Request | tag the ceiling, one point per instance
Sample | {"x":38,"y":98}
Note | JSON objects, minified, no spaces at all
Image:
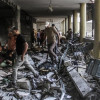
{"x":39,"y":8}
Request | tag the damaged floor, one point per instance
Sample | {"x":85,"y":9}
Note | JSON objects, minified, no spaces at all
{"x":66,"y":80}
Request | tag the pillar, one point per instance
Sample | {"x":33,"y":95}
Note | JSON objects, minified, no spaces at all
{"x":63,"y":27}
{"x":18,"y":16}
{"x":69,"y":21}
{"x":66,"y":24}
{"x":75,"y":22}
{"x":82,"y":21}
{"x":97,"y":30}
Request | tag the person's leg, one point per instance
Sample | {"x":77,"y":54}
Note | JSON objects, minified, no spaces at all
{"x":28,"y":65}
{"x":49,"y":53}
{"x":51,"y":49}
{"x":55,"y":49}
{"x":17,"y":64}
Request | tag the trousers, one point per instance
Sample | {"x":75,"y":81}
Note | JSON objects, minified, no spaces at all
{"x":18,"y":63}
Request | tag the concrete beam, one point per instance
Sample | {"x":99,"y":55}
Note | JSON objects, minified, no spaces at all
{"x":80,"y":84}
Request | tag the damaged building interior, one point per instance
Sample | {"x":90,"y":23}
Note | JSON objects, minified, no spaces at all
{"x":49,"y":49}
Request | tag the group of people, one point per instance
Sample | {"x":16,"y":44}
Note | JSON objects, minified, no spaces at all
{"x":50,"y":33}
{"x":16,"y":42}
{"x":37,"y":36}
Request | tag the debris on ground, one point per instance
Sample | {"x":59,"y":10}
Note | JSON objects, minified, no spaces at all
{"x":66,"y":80}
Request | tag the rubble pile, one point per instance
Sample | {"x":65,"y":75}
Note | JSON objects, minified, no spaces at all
{"x":66,"y":80}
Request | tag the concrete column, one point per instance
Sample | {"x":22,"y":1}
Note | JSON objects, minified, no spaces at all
{"x":97,"y":30}
{"x":66,"y":25}
{"x":82,"y":21}
{"x":69,"y":21}
{"x":18,"y":15}
{"x":63,"y":27}
{"x":75,"y":22}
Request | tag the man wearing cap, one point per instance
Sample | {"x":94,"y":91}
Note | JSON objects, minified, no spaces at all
{"x":22,"y":56}
{"x":50,"y":33}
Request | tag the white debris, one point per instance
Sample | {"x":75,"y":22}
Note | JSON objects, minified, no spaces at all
{"x":49,"y":75}
{"x":22,"y":94}
{"x":68,"y":96}
{"x":38,"y":95}
{"x":24,"y":83}
{"x":2,"y":73}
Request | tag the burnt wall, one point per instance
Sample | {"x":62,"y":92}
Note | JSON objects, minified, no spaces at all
{"x":7,"y":12}
{"x":4,"y":25}
{"x":27,"y":26}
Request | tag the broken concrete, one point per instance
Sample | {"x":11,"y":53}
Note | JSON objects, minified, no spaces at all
{"x":80,"y":84}
{"x":2,"y":73}
{"x":22,"y":94}
{"x":52,"y":83}
{"x":24,"y":83}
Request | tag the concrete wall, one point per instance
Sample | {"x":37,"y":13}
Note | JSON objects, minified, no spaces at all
{"x":41,"y":26}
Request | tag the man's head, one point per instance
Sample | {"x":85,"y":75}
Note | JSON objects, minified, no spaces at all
{"x":70,"y":29}
{"x":53,"y":25}
{"x":14,"y":30}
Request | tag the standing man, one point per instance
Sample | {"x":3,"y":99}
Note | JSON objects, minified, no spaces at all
{"x":38,"y":37}
{"x":70,"y":34}
{"x":51,"y":33}
{"x":22,"y":56}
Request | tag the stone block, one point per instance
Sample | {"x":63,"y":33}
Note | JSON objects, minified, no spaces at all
{"x":24,"y":83}
{"x":79,"y":82}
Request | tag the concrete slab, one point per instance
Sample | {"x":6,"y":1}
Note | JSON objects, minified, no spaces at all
{"x":24,"y":83}
{"x":79,"y":82}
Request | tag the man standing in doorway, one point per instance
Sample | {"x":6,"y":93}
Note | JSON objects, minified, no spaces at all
{"x":22,"y":56}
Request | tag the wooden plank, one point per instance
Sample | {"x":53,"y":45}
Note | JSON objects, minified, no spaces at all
{"x":79,"y":82}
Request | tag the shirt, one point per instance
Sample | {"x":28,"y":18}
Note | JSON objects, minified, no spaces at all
{"x":50,"y":33}
{"x":20,"y":41}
